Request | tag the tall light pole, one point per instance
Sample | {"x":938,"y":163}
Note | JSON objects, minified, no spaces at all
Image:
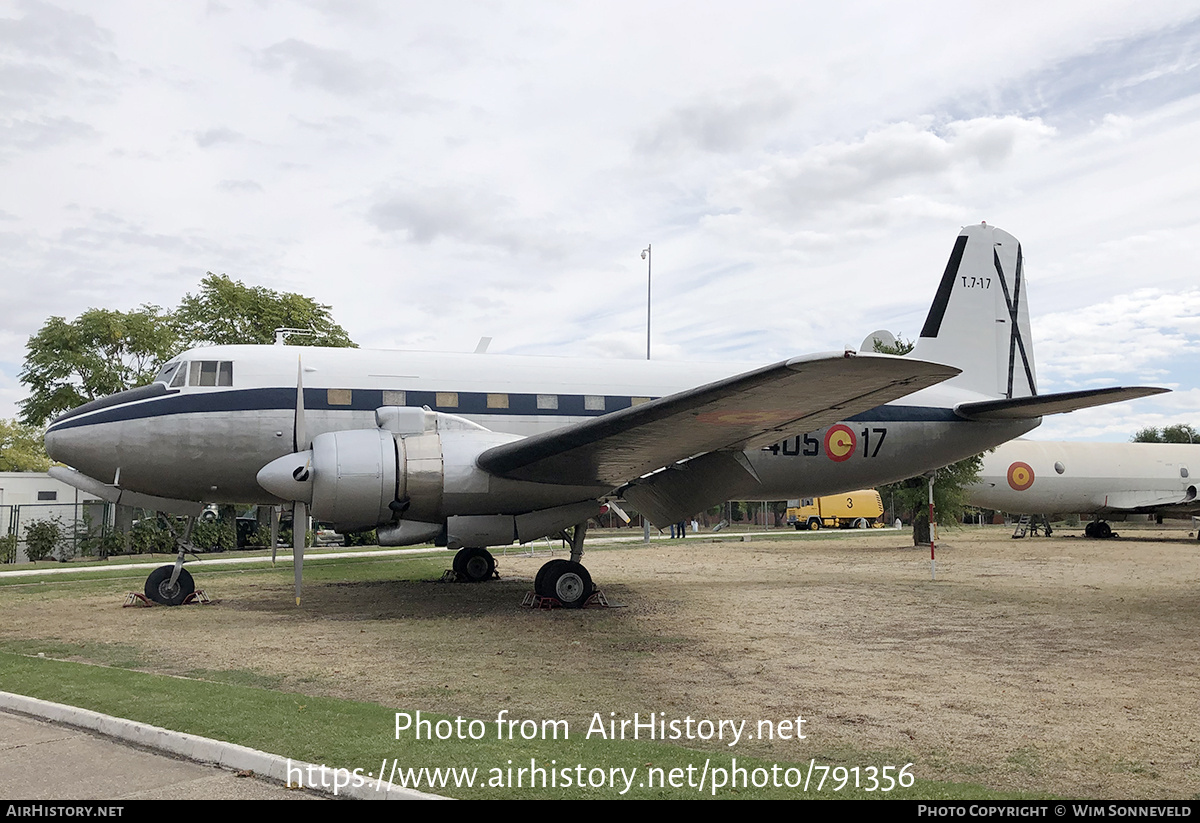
{"x":649,"y":263}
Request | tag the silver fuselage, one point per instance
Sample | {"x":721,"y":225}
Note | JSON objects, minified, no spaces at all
{"x":208,"y":442}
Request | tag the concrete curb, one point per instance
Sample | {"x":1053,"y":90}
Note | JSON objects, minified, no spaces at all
{"x":200,"y":749}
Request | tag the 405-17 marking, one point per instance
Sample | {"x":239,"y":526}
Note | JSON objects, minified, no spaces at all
{"x":807,"y":445}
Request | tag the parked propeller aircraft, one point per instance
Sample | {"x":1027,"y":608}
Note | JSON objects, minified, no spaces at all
{"x":479,"y":450}
{"x":1108,"y":480}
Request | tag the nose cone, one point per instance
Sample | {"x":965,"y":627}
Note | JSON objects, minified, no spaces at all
{"x":289,"y":477}
{"x":56,"y":446}
{"x":79,"y":447}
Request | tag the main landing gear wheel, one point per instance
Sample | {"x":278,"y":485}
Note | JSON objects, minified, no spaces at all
{"x":540,"y":580}
{"x":567,"y":582}
{"x":160,"y":590}
{"x":1098,"y":529}
{"x":474,"y":565}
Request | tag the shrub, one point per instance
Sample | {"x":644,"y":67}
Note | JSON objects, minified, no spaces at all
{"x":8,"y":548}
{"x":42,"y":537}
{"x":149,"y":537}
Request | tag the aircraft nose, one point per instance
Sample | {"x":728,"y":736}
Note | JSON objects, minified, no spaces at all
{"x":71,"y":446}
{"x":289,"y":477}
{"x":56,"y":446}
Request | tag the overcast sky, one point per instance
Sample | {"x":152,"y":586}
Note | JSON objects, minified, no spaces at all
{"x":438,"y":172}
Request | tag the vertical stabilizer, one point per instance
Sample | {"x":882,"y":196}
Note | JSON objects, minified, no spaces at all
{"x":979,"y":320}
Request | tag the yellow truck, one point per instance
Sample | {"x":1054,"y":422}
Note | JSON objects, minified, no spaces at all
{"x":852,"y":510}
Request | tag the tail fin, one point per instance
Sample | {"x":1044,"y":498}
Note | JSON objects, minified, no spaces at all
{"x":979,"y":320}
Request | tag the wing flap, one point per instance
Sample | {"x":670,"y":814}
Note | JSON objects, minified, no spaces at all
{"x":749,"y":410}
{"x":1040,"y":405}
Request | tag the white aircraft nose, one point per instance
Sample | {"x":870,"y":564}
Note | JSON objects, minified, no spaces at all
{"x":289,"y":477}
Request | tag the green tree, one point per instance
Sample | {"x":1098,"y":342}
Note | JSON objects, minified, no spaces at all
{"x":903,"y":346}
{"x":949,"y":486}
{"x":1179,"y":433}
{"x":21,"y":448}
{"x":68,"y":363}
{"x":229,"y":312}
{"x":949,"y":496}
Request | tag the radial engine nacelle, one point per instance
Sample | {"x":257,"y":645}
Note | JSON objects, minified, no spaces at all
{"x":415,"y":475}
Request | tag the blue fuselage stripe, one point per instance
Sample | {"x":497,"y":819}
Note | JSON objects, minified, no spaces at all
{"x":469,"y":403}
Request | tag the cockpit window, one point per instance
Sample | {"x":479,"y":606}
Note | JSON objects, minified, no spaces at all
{"x":202,"y":373}
{"x":167,"y":372}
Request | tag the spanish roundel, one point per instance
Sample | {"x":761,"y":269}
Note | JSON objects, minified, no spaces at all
{"x":1020,"y":476}
{"x":840,"y":443}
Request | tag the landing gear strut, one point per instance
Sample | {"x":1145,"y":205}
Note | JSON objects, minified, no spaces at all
{"x":567,"y":581}
{"x":171,"y":585}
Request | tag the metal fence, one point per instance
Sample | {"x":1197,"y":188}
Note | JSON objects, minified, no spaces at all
{"x":78,"y":524}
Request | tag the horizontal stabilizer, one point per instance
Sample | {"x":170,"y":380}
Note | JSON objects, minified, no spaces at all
{"x":746,"y":411}
{"x":1019,"y":408}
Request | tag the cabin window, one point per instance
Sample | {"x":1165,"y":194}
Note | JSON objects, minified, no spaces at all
{"x":497,"y":401}
{"x":447,"y":399}
{"x":210,"y":373}
{"x":339,"y":397}
{"x":1183,"y":472}
{"x":637,"y":401}
{"x":1060,"y":468}
{"x":47,"y":495}
{"x":395,"y":398}
{"x":593,"y":402}
{"x":547,"y":401}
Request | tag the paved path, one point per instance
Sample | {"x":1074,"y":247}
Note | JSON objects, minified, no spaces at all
{"x":46,"y":761}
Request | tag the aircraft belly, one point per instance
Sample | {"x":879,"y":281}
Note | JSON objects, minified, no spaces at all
{"x":513,"y":497}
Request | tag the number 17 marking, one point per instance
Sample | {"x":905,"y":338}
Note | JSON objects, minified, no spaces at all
{"x":866,"y":441}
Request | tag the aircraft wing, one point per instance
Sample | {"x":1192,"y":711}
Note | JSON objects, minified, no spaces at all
{"x":747,"y":411}
{"x":1057,"y":403}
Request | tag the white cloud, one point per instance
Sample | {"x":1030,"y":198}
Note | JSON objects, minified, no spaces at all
{"x":436,"y":175}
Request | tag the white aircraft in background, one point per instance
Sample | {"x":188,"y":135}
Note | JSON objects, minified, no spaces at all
{"x":478,"y":450}
{"x":1108,"y":480}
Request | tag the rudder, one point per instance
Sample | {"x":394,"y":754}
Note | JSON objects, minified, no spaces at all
{"x":979,"y":320}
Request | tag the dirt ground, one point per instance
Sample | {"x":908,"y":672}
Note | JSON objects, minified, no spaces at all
{"x":1059,"y":664}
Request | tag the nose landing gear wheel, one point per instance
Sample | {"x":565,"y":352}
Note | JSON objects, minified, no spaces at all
{"x":160,"y":590}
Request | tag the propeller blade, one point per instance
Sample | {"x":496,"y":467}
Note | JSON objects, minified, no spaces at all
{"x":299,"y":537}
{"x":299,"y":434}
{"x":274,"y":532}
